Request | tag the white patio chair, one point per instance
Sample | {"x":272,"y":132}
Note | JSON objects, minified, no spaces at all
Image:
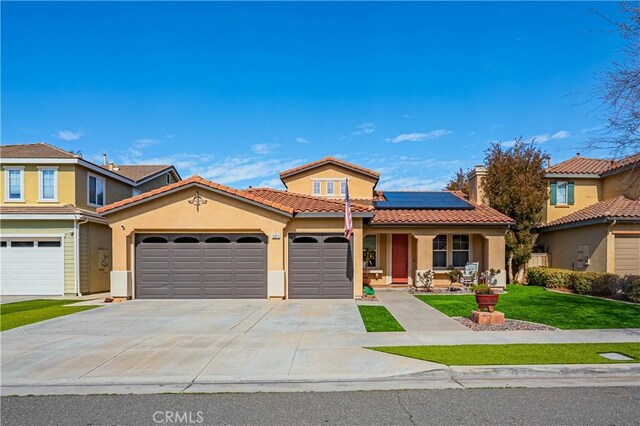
{"x":470,"y":274}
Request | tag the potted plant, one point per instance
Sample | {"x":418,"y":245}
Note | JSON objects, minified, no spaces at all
{"x":485,"y":297}
{"x":368,"y":260}
{"x":455,"y":275}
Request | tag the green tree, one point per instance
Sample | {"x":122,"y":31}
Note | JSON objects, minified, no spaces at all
{"x":459,"y":182}
{"x":515,"y":186}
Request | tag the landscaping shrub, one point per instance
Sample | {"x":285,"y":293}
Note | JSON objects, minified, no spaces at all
{"x":592,"y":283}
{"x":631,"y":286}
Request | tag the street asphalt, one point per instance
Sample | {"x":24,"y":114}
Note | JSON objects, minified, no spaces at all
{"x":556,"y":406}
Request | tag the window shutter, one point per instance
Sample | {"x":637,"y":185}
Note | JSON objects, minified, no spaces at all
{"x":570,"y":192}
{"x":554,"y":193}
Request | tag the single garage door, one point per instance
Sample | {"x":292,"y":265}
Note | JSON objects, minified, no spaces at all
{"x":320,"y":267}
{"x":627,"y":254}
{"x":31,"y":267}
{"x":201,"y":266}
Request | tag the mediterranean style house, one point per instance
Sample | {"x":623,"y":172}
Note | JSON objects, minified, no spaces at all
{"x":52,"y":240}
{"x":591,"y":221}
{"x":199,"y":239}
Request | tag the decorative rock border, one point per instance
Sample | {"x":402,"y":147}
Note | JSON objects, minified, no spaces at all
{"x":509,"y":325}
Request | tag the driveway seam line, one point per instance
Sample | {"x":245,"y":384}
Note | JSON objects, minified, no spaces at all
{"x":229,"y":331}
{"x":115,"y":356}
{"x":265,"y":314}
{"x":295,"y":352}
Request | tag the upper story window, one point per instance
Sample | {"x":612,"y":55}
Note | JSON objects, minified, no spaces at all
{"x":14,"y":183}
{"x":343,"y":187}
{"x":330,"y":187}
{"x":96,"y":188}
{"x":562,"y":193}
{"x":47,"y":184}
{"x":317,"y":187}
{"x":168,"y":178}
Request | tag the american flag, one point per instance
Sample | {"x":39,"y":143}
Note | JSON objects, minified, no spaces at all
{"x":348,"y":220}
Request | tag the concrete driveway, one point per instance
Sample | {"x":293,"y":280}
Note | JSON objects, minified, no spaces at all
{"x":200,"y":341}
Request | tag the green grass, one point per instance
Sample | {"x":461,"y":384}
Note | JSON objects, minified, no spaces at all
{"x":521,"y":354}
{"x":535,"y":304}
{"x":17,"y":314}
{"x":378,"y":318}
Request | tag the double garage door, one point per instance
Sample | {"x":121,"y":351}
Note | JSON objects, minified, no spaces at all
{"x":201,"y":266}
{"x":31,"y":267}
{"x":232,"y":266}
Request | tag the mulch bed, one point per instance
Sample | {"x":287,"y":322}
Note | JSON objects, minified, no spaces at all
{"x":509,"y":325}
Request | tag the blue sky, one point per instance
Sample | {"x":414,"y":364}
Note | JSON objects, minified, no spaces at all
{"x":238,"y":92}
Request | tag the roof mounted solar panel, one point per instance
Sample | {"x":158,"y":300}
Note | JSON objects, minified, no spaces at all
{"x":422,"y":200}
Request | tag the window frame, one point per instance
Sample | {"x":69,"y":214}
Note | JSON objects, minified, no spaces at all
{"x":7,"y":186}
{"x":566,"y":192}
{"x":333,"y":187}
{"x":468,"y":250}
{"x":104,"y":190}
{"x":41,"y":198}
{"x":446,"y":252}
{"x":377,"y":250}
{"x":313,"y":187}
{"x":342,"y":187}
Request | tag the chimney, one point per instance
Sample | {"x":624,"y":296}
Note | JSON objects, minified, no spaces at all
{"x":104,"y":159}
{"x":476,"y":194}
{"x":577,"y":154}
{"x":111,"y":165}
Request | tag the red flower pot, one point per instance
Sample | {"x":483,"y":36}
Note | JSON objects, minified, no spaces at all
{"x":488,"y":301}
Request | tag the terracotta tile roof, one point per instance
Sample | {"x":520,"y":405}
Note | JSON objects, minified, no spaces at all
{"x":302,"y":203}
{"x":137,"y":172}
{"x":584,"y":165}
{"x":34,"y":150}
{"x":64,"y":209}
{"x":329,"y":160}
{"x":615,"y":208}
{"x":480,"y":214}
{"x":197,"y":180}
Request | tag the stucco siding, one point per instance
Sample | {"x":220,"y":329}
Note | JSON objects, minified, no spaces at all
{"x":626,"y":183}
{"x":586,"y":193}
{"x":66,"y":185}
{"x":48,"y":227}
{"x":360,"y":186}
{"x":562,"y":246}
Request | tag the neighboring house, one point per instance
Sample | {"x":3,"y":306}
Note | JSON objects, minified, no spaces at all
{"x":591,"y":221}
{"x":200,"y":239}
{"x":53,"y":242}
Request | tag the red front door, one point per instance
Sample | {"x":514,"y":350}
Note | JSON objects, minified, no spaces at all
{"x":399,"y":258}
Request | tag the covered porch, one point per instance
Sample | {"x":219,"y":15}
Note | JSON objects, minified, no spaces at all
{"x":393,"y":256}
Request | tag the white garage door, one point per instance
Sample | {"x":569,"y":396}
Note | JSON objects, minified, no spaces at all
{"x":628,"y":254}
{"x":31,"y":267}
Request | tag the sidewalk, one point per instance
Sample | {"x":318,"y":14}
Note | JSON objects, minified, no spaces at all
{"x":415,"y":315}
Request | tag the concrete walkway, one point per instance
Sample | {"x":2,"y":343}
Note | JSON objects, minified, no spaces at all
{"x":87,"y":297}
{"x":415,"y":315}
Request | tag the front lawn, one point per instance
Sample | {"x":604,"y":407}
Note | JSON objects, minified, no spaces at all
{"x":520,"y":354}
{"x":535,"y":304}
{"x":17,"y":314}
{"x":378,"y":318}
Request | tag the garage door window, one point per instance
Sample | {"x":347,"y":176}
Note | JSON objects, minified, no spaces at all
{"x":21,"y":243}
{"x":155,"y":240}
{"x":308,"y":240}
{"x":336,"y":240}
{"x":249,"y":240}
{"x":217,"y":240}
{"x":186,"y":240}
{"x":48,"y":243}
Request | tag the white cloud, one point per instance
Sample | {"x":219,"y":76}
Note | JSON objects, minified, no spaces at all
{"x":274,"y":183}
{"x":417,"y":137}
{"x":407,"y":117}
{"x":410,"y":183}
{"x":540,"y":138}
{"x":562,"y":134}
{"x":302,"y":140}
{"x":69,"y":135}
{"x":365,"y":129}
{"x":236,"y":169}
{"x":593,"y":129}
{"x":139,"y":145}
{"x":263,"y":148}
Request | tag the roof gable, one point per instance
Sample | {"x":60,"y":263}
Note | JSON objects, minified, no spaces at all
{"x":35,"y":150}
{"x":329,"y":160}
{"x":139,"y":172}
{"x":593,"y":166}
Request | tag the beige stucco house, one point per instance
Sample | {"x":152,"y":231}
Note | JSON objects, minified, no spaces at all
{"x":591,"y":221}
{"x":199,"y":239}
{"x":52,"y":240}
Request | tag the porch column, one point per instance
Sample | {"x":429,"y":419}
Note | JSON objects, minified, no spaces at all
{"x":494,"y":255}
{"x":358,"y":245}
{"x":424,"y":255}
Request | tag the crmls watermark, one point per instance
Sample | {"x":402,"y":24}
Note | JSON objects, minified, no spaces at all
{"x":178,"y":417}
